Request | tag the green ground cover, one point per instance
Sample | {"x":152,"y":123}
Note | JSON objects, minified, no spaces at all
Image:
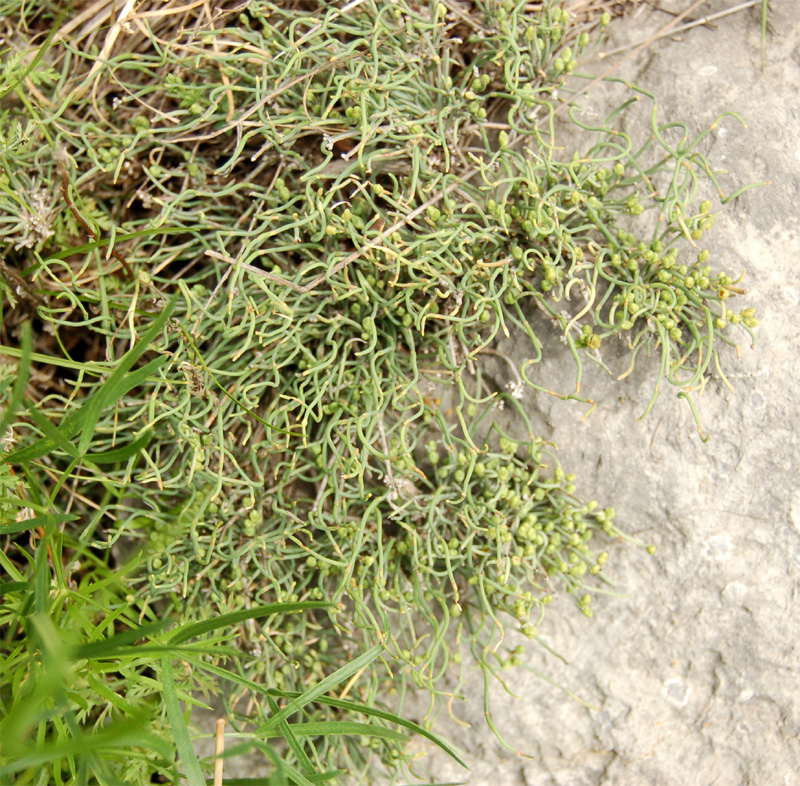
{"x":253,"y":259}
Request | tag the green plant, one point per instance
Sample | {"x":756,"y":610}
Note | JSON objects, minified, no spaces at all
{"x":99,"y":707}
{"x":334,"y":212}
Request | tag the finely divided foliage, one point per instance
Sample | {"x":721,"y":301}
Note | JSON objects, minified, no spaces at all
{"x":265,"y":249}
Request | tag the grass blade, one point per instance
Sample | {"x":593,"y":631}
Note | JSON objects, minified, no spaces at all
{"x":121,"y":454}
{"x":116,"y":385}
{"x":199,"y":628}
{"x":23,"y":374}
{"x":345,"y":704}
{"x":36,"y":60}
{"x":323,"y":686}
{"x":119,"y":736}
{"x":326,"y":728}
{"x":390,"y":717}
{"x":285,"y":730}
{"x":112,"y":644}
{"x":39,"y":521}
{"x":51,"y":432}
{"x":194,"y":774}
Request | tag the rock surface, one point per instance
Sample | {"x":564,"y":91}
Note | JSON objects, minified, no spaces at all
{"x":696,"y":673}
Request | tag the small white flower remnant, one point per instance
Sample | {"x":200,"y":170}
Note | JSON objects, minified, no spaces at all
{"x":401,"y":488}
{"x":7,"y":440}
{"x":145,"y":198}
{"x":517,"y":389}
{"x":12,"y":483}
{"x":434,"y":161}
{"x":25,"y":514}
{"x":36,"y":222}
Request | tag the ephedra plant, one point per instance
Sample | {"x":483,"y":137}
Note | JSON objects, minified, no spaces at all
{"x":264,"y":249}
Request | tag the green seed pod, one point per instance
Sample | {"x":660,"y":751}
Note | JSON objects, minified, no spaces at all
{"x":141,"y":122}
